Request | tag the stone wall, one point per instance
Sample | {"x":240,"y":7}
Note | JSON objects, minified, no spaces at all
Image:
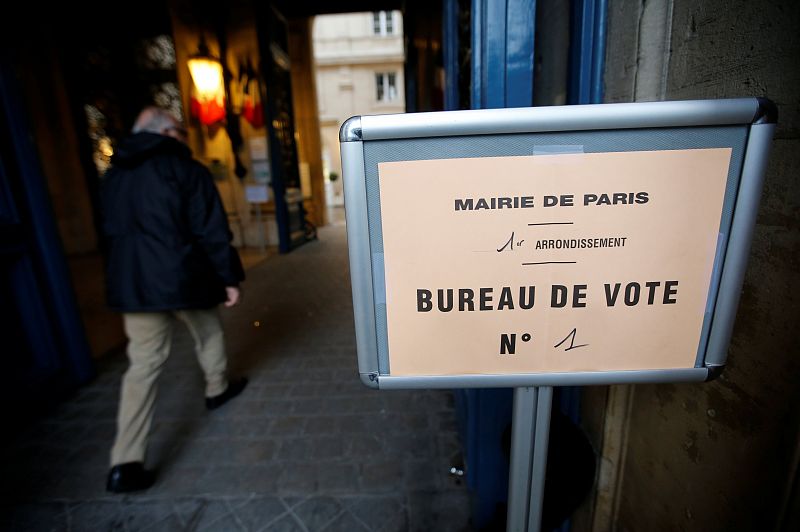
{"x":722,"y":455}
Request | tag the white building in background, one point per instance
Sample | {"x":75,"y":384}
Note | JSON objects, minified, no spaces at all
{"x":359,"y":69}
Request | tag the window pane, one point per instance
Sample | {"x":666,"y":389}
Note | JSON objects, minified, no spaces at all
{"x":379,"y":86}
{"x":392,"y":82}
{"x":389,"y":22}
{"x":376,"y":23}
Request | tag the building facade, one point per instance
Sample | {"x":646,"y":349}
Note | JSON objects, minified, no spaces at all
{"x":359,"y":71}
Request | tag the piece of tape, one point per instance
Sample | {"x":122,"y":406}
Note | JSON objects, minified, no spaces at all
{"x":552,"y":149}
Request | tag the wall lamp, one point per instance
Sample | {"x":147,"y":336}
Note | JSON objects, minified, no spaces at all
{"x":206,"y":71}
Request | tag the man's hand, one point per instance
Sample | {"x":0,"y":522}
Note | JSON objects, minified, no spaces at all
{"x":234,"y":296}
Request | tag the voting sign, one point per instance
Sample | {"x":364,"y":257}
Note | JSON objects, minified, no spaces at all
{"x":492,"y":251}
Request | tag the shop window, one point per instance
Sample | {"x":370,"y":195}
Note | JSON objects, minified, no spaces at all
{"x":115,"y":91}
{"x":156,"y":53}
{"x":102,"y":149}
{"x":168,"y":96}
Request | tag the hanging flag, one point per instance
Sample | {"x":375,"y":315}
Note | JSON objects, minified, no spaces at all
{"x":208,"y":111}
{"x":252,"y":108}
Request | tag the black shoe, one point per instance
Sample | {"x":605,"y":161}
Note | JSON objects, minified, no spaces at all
{"x":129,"y":477}
{"x":234,"y":388}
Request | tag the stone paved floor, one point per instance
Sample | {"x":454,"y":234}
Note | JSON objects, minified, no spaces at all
{"x":306,"y":447}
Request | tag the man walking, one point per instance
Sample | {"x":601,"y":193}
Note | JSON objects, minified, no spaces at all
{"x":169,"y":257}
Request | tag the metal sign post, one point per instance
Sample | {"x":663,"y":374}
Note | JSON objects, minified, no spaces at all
{"x":530,"y":430}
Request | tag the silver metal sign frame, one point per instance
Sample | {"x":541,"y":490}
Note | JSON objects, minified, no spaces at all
{"x":755,"y":116}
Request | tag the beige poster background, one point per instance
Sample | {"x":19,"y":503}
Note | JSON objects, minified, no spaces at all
{"x":430,"y":245}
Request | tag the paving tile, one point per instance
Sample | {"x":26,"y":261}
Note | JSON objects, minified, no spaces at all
{"x":213,"y":511}
{"x":162,"y":454}
{"x":338,"y":478}
{"x":181,"y":402}
{"x":278,"y":406}
{"x":275,"y":390}
{"x":291,"y":501}
{"x":446,"y":422}
{"x":188,"y":510}
{"x":326,"y":448}
{"x":414,"y":422}
{"x":230,"y":479}
{"x":170,"y":524}
{"x":424,"y":475}
{"x":53,"y":452}
{"x":252,"y":452}
{"x":295,"y":449}
{"x":395,"y":523}
{"x":248,"y":426}
{"x":317,"y":425}
{"x":96,"y":515}
{"x":74,"y":411}
{"x":309,"y":389}
{"x":179,"y":481}
{"x":448,"y":444}
{"x":222,"y":428}
{"x":287,"y":523}
{"x":226,"y":523}
{"x":298,"y":478}
{"x":409,"y":445}
{"x":34,"y":517}
{"x":308,"y":405}
{"x":377,"y":512}
{"x":317,"y":512}
{"x":76,"y":484}
{"x":437,"y":510}
{"x":256,"y":407}
{"x":90,"y":395}
{"x":103,"y":431}
{"x":199,"y":451}
{"x":94,"y":455}
{"x":345,"y":522}
{"x":382,"y":476}
{"x":137,"y":515}
{"x":261,"y":427}
{"x":355,"y":423}
{"x":344,"y":405}
{"x":256,"y":513}
{"x":258,"y":479}
{"x":313,"y":375}
{"x":102,"y":411}
{"x":287,"y":426}
{"x":174,"y":428}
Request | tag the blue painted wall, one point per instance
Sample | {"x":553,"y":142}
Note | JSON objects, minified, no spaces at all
{"x":45,"y":352}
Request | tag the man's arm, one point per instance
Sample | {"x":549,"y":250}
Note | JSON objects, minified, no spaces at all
{"x":209,"y":226}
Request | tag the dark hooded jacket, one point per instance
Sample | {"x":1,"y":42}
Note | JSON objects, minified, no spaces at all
{"x":167,"y":232}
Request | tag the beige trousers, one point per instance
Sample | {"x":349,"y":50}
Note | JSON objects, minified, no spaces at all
{"x":149,"y":338}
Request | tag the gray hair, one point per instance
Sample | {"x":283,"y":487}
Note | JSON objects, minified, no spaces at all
{"x":154,"y":120}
